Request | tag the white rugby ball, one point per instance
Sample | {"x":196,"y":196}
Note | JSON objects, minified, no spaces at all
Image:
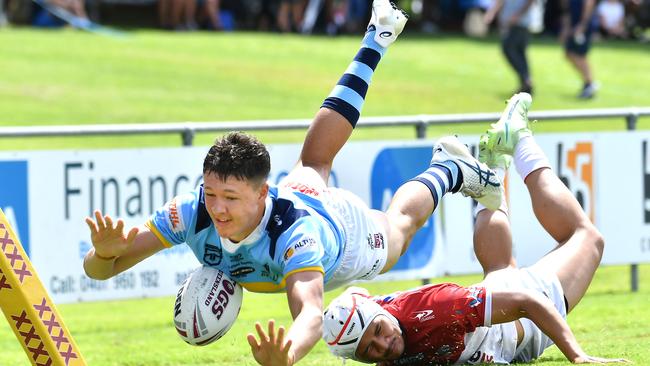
{"x":206,"y":306}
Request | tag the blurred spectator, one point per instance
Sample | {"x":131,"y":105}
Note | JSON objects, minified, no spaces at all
{"x":431,"y":16}
{"x":514,"y":18}
{"x":611,"y":18}
{"x":210,"y":14}
{"x":290,"y":15}
{"x":578,"y":24}
{"x":637,"y":18}
{"x":177,"y":14}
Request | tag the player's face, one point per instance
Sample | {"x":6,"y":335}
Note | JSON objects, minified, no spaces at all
{"x":235,"y":206}
{"x":382,"y":341}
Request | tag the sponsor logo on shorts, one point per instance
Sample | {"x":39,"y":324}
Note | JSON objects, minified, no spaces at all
{"x":424,"y":315}
{"x":371,"y":274}
{"x":212,"y":255}
{"x":375,"y":241}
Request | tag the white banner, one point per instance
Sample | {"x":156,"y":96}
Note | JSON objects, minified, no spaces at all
{"x":47,"y":195}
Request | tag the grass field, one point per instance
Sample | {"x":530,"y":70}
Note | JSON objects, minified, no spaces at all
{"x":68,"y":77}
{"x":610,"y":321}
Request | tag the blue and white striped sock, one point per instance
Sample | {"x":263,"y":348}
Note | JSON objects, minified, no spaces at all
{"x":348,"y":95}
{"x":440,"y":178}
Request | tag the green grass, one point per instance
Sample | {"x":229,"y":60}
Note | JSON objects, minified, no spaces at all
{"x":69,"y":77}
{"x":610,"y":321}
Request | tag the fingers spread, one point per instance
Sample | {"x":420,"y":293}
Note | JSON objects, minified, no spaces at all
{"x":101,"y":225}
{"x":261,"y":333}
{"x":91,"y":225}
{"x":109,"y":221}
{"x":252,"y":341}
{"x":131,"y":235}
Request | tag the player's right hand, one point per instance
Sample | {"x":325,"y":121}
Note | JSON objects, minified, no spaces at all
{"x":109,"y":239}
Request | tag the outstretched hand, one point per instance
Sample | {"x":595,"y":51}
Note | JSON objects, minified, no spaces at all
{"x":108,"y":238}
{"x":599,"y":360}
{"x":271,"y":349}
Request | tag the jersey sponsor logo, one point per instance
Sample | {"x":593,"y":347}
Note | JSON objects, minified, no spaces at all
{"x":303,"y":188}
{"x":175,"y":218}
{"x":241,"y":271}
{"x":288,"y":254}
{"x":266,"y":272}
{"x":212,"y":255}
{"x":475,"y":295}
{"x":424,"y":315}
{"x":300,"y":246}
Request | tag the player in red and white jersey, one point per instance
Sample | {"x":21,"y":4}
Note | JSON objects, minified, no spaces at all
{"x":514,"y":314}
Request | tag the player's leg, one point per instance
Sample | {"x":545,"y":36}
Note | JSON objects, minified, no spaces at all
{"x":452,"y":169}
{"x":577,"y":256}
{"x":340,"y":112}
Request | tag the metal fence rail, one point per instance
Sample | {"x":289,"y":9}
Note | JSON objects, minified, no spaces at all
{"x":188,"y":130}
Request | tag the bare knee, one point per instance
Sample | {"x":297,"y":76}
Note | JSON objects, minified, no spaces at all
{"x":594,"y":240}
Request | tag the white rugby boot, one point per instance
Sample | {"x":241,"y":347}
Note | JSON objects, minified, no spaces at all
{"x":388,"y":21}
{"x":478,"y":181}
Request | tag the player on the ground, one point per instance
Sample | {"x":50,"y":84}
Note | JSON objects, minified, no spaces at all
{"x":300,"y":236}
{"x":514,"y":314}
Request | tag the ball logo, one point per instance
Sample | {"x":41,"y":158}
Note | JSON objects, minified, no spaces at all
{"x":576,"y":170}
{"x":222,"y":299}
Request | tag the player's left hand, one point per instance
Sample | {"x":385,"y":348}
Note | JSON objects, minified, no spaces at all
{"x":599,"y":360}
{"x":271,"y":349}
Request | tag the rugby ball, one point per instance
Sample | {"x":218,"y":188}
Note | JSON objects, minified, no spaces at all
{"x":206,"y":306}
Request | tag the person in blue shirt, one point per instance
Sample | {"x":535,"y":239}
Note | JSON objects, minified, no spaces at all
{"x":301,"y":236}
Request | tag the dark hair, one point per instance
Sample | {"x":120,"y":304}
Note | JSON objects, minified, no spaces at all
{"x":238,"y":155}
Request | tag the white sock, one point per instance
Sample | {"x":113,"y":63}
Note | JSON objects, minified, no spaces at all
{"x":529,"y":157}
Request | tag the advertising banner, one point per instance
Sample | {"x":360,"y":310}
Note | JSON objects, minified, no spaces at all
{"x":47,"y":194}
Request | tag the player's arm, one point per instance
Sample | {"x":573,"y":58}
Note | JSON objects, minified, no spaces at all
{"x":305,"y":295}
{"x":509,"y":306}
{"x":115,"y":250}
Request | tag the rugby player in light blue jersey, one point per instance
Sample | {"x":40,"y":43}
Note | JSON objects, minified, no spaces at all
{"x":300,"y":237}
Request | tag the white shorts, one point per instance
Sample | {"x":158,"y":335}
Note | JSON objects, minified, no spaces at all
{"x":533,"y":278}
{"x":366,"y":247}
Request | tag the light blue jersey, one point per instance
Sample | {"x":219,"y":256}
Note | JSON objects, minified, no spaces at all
{"x":297,"y":233}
